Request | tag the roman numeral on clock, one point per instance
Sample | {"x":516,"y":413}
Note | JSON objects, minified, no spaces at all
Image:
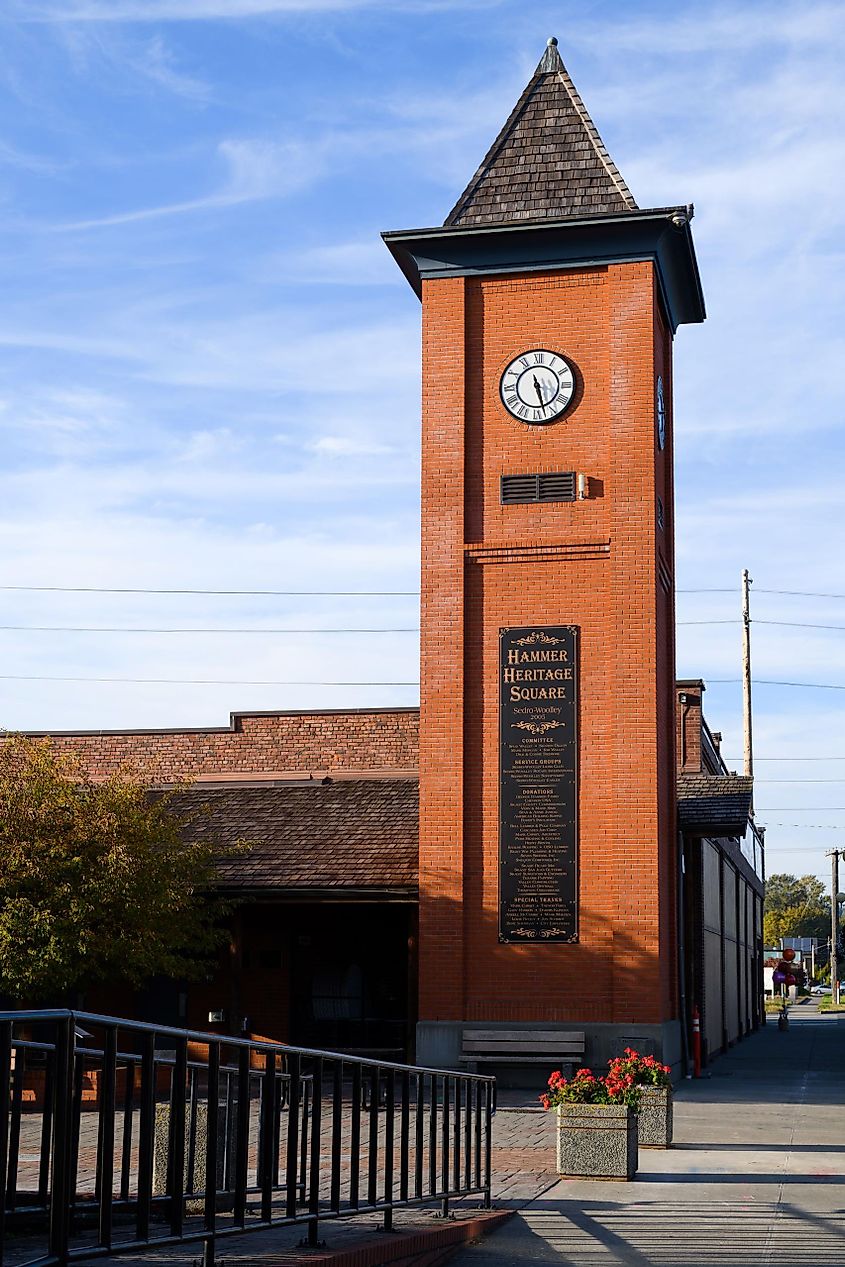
{"x":537,"y":386}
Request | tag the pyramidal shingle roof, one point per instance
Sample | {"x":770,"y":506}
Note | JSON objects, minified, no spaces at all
{"x":547,"y":163}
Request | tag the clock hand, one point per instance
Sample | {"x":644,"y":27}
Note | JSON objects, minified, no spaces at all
{"x":539,"y":392}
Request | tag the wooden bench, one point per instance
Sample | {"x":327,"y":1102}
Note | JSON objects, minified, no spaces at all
{"x":551,"y":1047}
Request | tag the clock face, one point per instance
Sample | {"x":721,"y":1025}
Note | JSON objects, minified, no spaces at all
{"x":537,"y":386}
{"x":661,"y":414}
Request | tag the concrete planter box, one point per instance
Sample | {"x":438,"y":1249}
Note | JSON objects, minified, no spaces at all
{"x":596,"y":1141}
{"x":654,"y":1124}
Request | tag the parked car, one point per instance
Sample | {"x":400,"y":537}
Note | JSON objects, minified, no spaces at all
{"x":820,"y":989}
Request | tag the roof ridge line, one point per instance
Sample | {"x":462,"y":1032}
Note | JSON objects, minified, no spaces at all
{"x":498,"y":144}
{"x":594,"y":135}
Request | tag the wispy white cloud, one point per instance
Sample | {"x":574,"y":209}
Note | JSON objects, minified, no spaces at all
{"x":363,"y":263}
{"x":40,"y":165}
{"x":256,"y":170}
{"x":156,"y":63}
{"x":348,"y":446}
{"x":255,"y":352}
{"x":108,"y":545}
{"x":718,"y":29}
{"x":203,"y":10}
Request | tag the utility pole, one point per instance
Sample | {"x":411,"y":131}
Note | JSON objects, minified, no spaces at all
{"x":746,"y":679}
{"x":833,"y":854}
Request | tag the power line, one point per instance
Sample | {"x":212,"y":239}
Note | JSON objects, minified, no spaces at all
{"x":236,"y":593}
{"x":38,"y":677}
{"x":133,"y":629}
{"x":793,"y":625}
{"x":792,"y":848}
{"x":797,"y":624}
{"x":414,"y":629}
{"x":98,"y":589}
{"x":729,"y":759}
{"x":764,"y":681}
{"x":175,"y":681}
{"x":798,"y":593}
{"x":757,"y":590}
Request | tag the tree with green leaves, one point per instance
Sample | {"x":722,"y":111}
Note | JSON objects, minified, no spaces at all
{"x":97,"y":882}
{"x":795,"y":907}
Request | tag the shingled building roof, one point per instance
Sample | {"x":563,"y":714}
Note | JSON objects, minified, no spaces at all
{"x":714,"y":805}
{"x":547,"y":163}
{"x":345,"y":835}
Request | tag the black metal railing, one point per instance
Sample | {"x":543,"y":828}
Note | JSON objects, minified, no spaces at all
{"x":117,"y":1135}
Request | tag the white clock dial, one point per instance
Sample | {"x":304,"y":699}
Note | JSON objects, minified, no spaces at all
{"x":537,"y":386}
{"x":661,"y":414}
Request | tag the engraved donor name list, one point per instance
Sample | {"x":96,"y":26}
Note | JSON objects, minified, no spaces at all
{"x":538,"y":785}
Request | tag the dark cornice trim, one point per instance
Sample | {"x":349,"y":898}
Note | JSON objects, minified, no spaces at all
{"x":327,"y":893}
{"x":662,"y":236}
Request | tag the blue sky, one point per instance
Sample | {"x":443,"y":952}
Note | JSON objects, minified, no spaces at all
{"x":209,"y":366}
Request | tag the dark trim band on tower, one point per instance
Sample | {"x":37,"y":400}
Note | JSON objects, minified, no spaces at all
{"x":662,"y":236}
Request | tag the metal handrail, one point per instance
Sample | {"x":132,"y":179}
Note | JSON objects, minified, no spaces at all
{"x":250,"y":1135}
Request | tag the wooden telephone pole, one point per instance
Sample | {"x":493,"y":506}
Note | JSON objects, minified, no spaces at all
{"x":833,"y":854}
{"x":746,"y":679}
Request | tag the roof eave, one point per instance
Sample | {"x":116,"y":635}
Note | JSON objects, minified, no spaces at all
{"x":662,"y":235}
{"x":319,"y":893}
{"x":711,"y":829}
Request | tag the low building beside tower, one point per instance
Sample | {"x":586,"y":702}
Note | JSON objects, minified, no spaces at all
{"x":324,"y":941}
{"x":723,"y":863}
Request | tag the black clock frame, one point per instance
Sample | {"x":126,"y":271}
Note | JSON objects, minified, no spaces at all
{"x":539,"y":422}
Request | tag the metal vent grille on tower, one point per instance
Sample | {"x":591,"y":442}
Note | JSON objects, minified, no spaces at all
{"x":552,"y":486}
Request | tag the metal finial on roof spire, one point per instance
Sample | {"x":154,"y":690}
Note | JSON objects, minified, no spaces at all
{"x":550,"y":61}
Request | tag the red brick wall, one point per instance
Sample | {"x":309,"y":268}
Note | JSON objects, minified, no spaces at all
{"x":602,"y":576}
{"x":441,"y":932}
{"x":688,"y":724}
{"x":256,"y":743}
{"x":666,"y":759}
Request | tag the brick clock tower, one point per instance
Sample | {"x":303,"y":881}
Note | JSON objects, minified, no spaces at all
{"x":548,"y":834}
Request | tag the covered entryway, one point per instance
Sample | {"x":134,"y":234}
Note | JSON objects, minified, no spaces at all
{"x":322,"y":949}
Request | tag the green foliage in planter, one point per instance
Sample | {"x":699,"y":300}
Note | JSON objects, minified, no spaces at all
{"x":586,"y":1088}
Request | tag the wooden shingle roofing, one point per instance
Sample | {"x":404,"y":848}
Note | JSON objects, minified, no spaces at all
{"x":714,"y":805}
{"x":547,"y":163}
{"x":343,"y":835}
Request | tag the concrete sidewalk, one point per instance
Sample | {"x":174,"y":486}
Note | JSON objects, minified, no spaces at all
{"x":757,"y":1175}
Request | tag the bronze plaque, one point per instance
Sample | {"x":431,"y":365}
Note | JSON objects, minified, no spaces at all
{"x":538,"y":784}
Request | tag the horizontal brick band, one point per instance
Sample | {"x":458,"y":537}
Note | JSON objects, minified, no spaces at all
{"x":536,"y":553}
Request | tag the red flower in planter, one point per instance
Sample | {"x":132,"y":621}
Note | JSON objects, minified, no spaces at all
{"x":645,"y":1071}
{"x":586,"y":1088}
